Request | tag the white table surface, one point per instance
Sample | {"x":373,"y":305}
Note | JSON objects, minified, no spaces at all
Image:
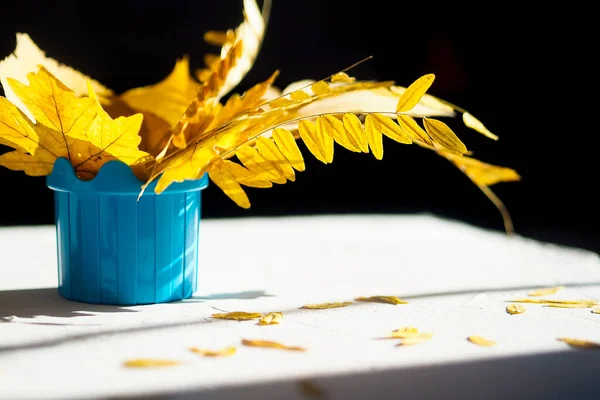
{"x":456,"y":278}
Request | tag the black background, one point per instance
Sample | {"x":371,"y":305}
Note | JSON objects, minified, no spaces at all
{"x":523,"y":72}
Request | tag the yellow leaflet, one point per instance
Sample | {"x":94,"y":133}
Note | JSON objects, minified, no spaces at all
{"x":237,"y":315}
{"x":545,"y":291}
{"x":226,"y":352}
{"x":391,"y":129}
{"x":323,"y":306}
{"x":355,"y":130}
{"x":258,"y":164}
{"x":443,"y":135}
{"x":269,"y":150}
{"x":482,"y":174}
{"x":271,"y":345}
{"x":310,"y":389}
{"x":596,"y":310}
{"x":244,"y":176}
{"x":555,"y":301}
{"x":409,"y":332}
{"x":410,"y":341}
{"x":308,"y":134}
{"x":229,"y":185}
{"x":217,"y":38}
{"x":515,"y":309}
{"x":476,"y":125}
{"x":150,"y":363}
{"x":272,"y":318}
{"x":299,"y":95}
{"x":288,"y":146}
{"x":382,"y":299}
{"x":413,"y":130}
{"x":320,"y":88}
{"x":481,"y":341}
{"x":329,"y":125}
{"x":580,"y":344}
{"x":342,"y":77}
{"x":412,"y":95}
{"x":373,"y":134}
{"x":580,"y":305}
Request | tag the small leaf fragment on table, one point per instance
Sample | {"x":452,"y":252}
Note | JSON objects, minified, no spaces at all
{"x":226,"y":352}
{"x":272,"y":318}
{"x":515,"y":309}
{"x":324,"y":306}
{"x":555,"y":301}
{"x":574,"y":305}
{"x":310,"y":389}
{"x":596,"y":310}
{"x":150,"y":363}
{"x":270,"y":344}
{"x":237,"y":315}
{"x":410,"y":341}
{"x":545,"y":291}
{"x":409,"y":332}
{"x":382,"y":299}
{"x":580,"y":344}
{"x":481,"y":341}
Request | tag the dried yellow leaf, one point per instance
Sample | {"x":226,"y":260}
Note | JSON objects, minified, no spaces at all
{"x":355,"y":130}
{"x":476,"y":125}
{"x":342,"y":77}
{"x":310,"y":389}
{"x":308,"y":133}
{"x":272,"y":318}
{"x":287,"y":145}
{"x":481,"y":341}
{"x":409,"y":332}
{"x":270,"y":152}
{"x":330,"y":125}
{"x":230,"y":186}
{"x":412,"y":95}
{"x":244,"y":176}
{"x":444,"y":136}
{"x":596,"y":310}
{"x":257,"y":163}
{"x":237,"y":315}
{"x":409,"y":341}
{"x":574,"y":305}
{"x":382,"y":299}
{"x":216,"y":38}
{"x":226,"y":352}
{"x":270,"y":344}
{"x":580,"y":344}
{"x":320,"y":88}
{"x":374,"y":138}
{"x":150,"y":363}
{"x":391,"y":129}
{"x":299,"y":95}
{"x":556,"y":301}
{"x":515,"y":309}
{"x":324,"y":306}
{"x":413,"y":130}
{"x":545,"y":291}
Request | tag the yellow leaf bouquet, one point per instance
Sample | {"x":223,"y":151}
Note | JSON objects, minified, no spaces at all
{"x":180,"y":131}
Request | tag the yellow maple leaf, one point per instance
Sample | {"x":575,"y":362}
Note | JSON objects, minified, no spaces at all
{"x":67,"y":126}
{"x":270,"y":344}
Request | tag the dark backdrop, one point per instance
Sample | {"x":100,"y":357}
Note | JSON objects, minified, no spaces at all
{"x":522,"y":72}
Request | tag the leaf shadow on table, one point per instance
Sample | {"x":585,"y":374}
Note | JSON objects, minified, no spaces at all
{"x":46,"y":302}
{"x":568,"y":374}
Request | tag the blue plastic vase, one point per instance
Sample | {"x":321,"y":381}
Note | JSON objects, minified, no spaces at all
{"x":115,"y":249}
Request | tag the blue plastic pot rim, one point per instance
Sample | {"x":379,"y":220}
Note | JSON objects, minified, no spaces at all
{"x":115,"y":178}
